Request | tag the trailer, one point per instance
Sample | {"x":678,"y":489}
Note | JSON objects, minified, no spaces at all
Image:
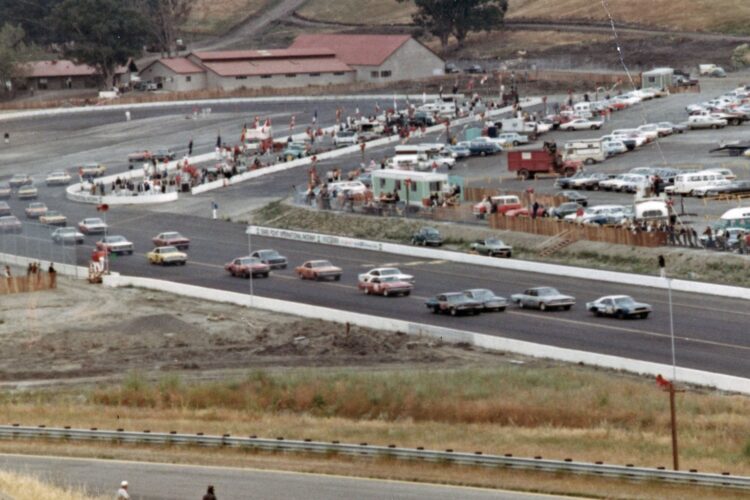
{"x":546,"y":161}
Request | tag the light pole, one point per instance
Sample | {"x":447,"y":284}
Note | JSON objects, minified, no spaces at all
{"x":670,"y":385}
{"x":249,"y":252}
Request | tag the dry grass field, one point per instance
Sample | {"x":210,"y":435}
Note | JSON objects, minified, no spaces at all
{"x":218,"y":16}
{"x":21,"y":487}
{"x":682,"y":15}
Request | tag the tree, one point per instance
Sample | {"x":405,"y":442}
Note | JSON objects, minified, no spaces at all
{"x":29,"y":15}
{"x":101,"y":33}
{"x":13,"y":51}
{"x":444,"y":18}
{"x":165,"y":18}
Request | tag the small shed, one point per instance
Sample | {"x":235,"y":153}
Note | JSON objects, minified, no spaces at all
{"x":414,"y":187}
{"x":657,"y":78}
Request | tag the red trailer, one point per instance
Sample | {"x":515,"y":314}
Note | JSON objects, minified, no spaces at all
{"x":529,"y":164}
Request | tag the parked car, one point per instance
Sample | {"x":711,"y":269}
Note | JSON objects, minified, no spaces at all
{"x":67,"y":236}
{"x":5,"y":191}
{"x":488,"y":299}
{"x":4,"y":208}
{"x":734,"y":187}
{"x":10,"y":224}
{"x":543,"y":298}
{"x":576,"y":197}
{"x":345,"y":138}
{"x":427,"y":236}
{"x":171,"y":238}
{"x":27,"y":192}
{"x":318,"y":270}
{"x":53,"y":218}
{"x":614,"y":147}
{"x":381,"y":272}
{"x":460,"y":151}
{"x":167,"y":255}
{"x":568,"y":182}
{"x":618,"y":306}
{"x":91,"y":170}
{"x":564,"y":210}
{"x":271,"y":257}
{"x":492,"y":247}
{"x":706,"y":121}
{"x":58,"y":178}
{"x":92,"y":225}
{"x":294,"y":150}
{"x":115,"y":244}
{"x":453,"y":303}
{"x":246,"y":267}
{"x":512,"y":138}
{"x":19,"y":180}
{"x":677,"y":128}
{"x":451,"y":68}
{"x":582,"y":124}
{"x":35,"y":210}
{"x":162,"y":155}
{"x":386,"y":286}
{"x":484,"y":148}
{"x":475,"y":68}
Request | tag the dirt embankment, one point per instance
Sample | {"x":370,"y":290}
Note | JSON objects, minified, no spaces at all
{"x":693,"y":264}
{"x":83,"y":330}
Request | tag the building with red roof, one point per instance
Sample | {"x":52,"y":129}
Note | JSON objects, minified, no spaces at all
{"x":64,"y":74}
{"x":311,"y":60}
{"x":378,"y":58}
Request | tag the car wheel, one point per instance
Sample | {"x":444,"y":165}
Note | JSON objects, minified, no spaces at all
{"x":597,"y":313}
{"x":337,"y":278}
{"x":620,"y":315}
{"x":264,"y":275}
{"x":515,"y":143}
{"x":644,"y":315}
{"x":590,"y":161}
{"x":435,"y":309}
{"x":385,"y":293}
{"x":500,"y":309}
{"x":542,"y":306}
{"x":366,"y":290}
{"x":247,"y":275}
{"x":520,"y":304}
{"x":183,"y":262}
{"x":567,"y":308}
{"x":406,"y":294}
{"x":453,"y":311}
{"x":130,"y":252}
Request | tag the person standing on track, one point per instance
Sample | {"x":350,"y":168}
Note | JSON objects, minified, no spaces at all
{"x":209,"y":494}
{"x":122,"y":493}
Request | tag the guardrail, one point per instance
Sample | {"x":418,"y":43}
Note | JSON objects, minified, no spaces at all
{"x":449,"y":456}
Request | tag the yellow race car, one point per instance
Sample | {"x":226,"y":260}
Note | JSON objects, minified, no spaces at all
{"x":166,"y":256}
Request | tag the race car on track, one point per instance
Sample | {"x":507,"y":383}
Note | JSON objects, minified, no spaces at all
{"x":318,"y":270}
{"x":619,"y":306}
{"x":246,"y":267}
{"x":385,"y":286}
{"x":167,"y":256}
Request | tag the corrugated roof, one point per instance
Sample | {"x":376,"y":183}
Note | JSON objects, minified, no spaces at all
{"x":360,"y":50}
{"x":226,"y":55}
{"x":180,"y":65}
{"x":278,"y":67}
{"x":62,"y":67}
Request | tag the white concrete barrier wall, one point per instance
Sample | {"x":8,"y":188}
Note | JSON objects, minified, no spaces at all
{"x":13,"y":115}
{"x":684,"y":375}
{"x":510,"y":264}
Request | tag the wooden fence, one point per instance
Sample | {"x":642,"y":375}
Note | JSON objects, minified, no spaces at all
{"x":535,"y":75}
{"x":574,"y":231}
{"x":31,"y":283}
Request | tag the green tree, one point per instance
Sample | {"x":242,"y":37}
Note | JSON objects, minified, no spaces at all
{"x":13,"y":52}
{"x":443,"y":18}
{"x":101,"y":33}
{"x":29,"y":15}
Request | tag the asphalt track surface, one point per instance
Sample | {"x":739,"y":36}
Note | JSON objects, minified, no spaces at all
{"x":711,"y":332}
{"x":154,"y":481}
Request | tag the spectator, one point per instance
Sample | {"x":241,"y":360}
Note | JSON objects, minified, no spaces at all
{"x":534,"y":210}
{"x":122,"y":493}
{"x":209,"y":494}
{"x":52,"y":275}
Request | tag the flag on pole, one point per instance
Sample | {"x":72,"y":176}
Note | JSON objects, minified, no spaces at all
{"x":244,"y":133}
{"x":377,"y":108}
{"x":256,"y":121}
{"x":315,"y":117}
{"x":292,"y":122}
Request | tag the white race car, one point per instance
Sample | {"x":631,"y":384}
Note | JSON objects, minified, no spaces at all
{"x":386,"y":271}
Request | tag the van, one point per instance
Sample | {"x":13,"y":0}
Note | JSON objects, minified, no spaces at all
{"x":588,"y":152}
{"x":735,"y":217}
{"x":685,"y":183}
{"x":582,"y":107}
{"x":651,"y":209}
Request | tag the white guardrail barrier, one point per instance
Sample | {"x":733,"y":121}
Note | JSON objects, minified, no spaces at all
{"x":684,"y":375}
{"x":724,"y":480}
{"x":62,"y":268}
{"x":14,"y":115}
{"x":510,"y":264}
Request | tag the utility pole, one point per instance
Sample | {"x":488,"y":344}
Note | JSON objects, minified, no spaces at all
{"x":667,"y":384}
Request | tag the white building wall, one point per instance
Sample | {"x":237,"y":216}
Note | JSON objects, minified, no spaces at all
{"x":214,"y":81}
{"x":173,"y":81}
{"x":411,"y":61}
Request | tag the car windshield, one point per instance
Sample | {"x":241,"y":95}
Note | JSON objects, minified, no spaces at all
{"x":246,"y":261}
{"x":320,"y":263}
{"x":430,"y":232}
{"x":480,"y":294}
{"x":66,"y":230}
{"x":93,"y":221}
{"x":389,"y":279}
{"x":455,"y":298}
{"x":495,"y":242}
{"x":389,"y":272}
{"x":9,"y":219}
{"x":114,"y":239}
{"x":171,"y":235}
{"x":268,"y":254}
{"x":542,"y":292}
{"x":168,"y":249}
{"x":624,"y":301}
{"x":53,"y":213}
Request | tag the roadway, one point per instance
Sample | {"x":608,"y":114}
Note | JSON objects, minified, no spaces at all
{"x":155,"y":481}
{"x":711,"y":331}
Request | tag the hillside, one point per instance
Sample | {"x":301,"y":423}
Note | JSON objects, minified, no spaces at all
{"x":730,"y":16}
{"x":218,"y":16}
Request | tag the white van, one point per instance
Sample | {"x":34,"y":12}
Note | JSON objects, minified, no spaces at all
{"x":735,"y":217}
{"x":583,"y":109}
{"x":588,"y":152}
{"x":685,"y":183}
{"x":651,"y":209}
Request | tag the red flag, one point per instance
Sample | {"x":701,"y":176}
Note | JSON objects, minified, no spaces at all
{"x":662,"y":382}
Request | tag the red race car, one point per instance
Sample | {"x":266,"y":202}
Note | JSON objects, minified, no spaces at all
{"x":171,"y":239}
{"x":385,"y":286}
{"x":248,"y":266}
{"x":318,"y":270}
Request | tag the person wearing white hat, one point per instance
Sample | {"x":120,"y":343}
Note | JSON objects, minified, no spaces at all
{"x":122,"y":493}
